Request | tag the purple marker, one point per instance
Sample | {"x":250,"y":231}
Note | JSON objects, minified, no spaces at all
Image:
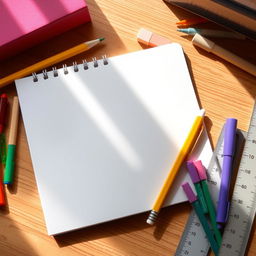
{"x":228,"y":154}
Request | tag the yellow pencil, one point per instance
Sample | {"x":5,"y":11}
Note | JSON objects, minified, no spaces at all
{"x":50,"y":61}
{"x":185,"y":150}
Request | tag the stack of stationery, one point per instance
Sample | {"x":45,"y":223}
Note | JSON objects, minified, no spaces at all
{"x":104,"y":135}
{"x":200,"y":39}
{"x":223,"y":12}
{"x":26,"y":23}
{"x":185,"y":28}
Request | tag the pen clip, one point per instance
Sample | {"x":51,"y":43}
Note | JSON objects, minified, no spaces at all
{"x":235,"y":144}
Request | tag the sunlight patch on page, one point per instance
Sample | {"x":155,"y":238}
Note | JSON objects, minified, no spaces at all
{"x":93,"y":107}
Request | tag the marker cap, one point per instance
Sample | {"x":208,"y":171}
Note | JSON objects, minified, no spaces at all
{"x":189,"y":192}
{"x":229,"y":136}
{"x":193,"y":172}
{"x":200,"y":169}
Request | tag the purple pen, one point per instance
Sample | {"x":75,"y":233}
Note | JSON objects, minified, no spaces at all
{"x":228,"y":154}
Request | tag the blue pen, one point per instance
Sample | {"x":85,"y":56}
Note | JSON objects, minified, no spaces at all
{"x":211,"y":33}
{"x":228,"y":154}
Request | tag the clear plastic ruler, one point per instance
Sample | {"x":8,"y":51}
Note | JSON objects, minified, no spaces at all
{"x":194,"y":241}
{"x":243,"y":202}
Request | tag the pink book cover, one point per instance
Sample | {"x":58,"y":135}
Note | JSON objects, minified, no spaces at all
{"x":25,"y":23}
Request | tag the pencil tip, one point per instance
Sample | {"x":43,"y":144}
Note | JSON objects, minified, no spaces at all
{"x":102,"y":38}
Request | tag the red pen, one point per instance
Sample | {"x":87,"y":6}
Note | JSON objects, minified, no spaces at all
{"x":2,"y":194}
{"x":3,"y":111}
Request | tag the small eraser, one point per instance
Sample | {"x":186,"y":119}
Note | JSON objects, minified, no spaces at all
{"x":200,"y":169}
{"x":193,"y":172}
{"x":189,"y":192}
{"x":144,"y":36}
{"x":151,"y":39}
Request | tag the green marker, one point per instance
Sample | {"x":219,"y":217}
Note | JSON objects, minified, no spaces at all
{"x":9,"y":167}
{"x":196,"y":180}
{"x":202,"y":174}
{"x":196,"y":205}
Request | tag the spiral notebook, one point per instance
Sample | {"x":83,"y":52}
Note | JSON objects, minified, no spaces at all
{"x":103,"y":135}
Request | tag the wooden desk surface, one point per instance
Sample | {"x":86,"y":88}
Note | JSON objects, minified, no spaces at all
{"x":222,"y":89}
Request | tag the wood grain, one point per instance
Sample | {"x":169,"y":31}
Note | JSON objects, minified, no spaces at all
{"x":222,"y":89}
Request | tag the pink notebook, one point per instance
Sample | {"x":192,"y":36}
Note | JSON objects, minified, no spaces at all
{"x":24,"y":23}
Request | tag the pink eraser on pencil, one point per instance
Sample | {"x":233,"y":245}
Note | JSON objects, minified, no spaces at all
{"x":200,"y":169}
{"x":151,"y":39}
{"x":189,"y":192}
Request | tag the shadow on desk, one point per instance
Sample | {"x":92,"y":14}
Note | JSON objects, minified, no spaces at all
{"x":242,"y":48}
{"x":127,"y":227}
{"x":239,"y":74}
{"x":12,"y":241}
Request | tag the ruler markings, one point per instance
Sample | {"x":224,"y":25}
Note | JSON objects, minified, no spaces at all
{"x":243,"y":203}
{"x":201,"y":246}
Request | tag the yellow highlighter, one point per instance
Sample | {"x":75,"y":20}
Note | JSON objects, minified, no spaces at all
{"x":50,"y":61}
{"x":185,"y":150}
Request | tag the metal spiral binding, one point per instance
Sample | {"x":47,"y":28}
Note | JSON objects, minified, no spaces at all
{"x":55,"y":71}
{"x":35,"y":79}
{"x":45,"y":75}
{"x":65,"y":69}
{"x":95,"y":62}
{"x":85,"y":66}
{"x":75,"y":66}
{"x":105,"y":60}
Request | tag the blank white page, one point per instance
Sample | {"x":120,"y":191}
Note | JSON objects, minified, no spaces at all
{"x":103,"y":140}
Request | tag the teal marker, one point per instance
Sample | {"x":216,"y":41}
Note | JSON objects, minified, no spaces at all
{"x":196,"y":205}
{"x":202,"y":174}
{"x":9,"y":167}
{"x":211,"y":33}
